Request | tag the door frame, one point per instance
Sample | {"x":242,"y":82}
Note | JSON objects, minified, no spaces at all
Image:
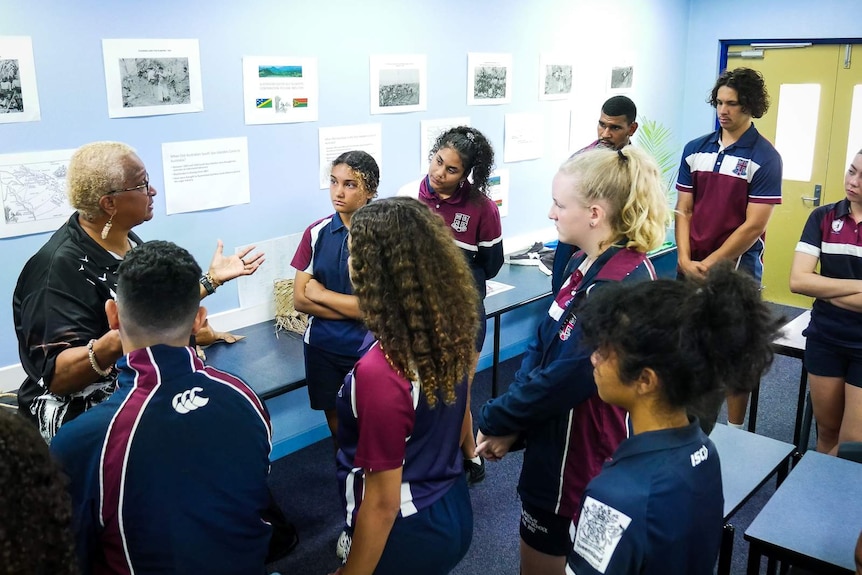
{"x":725,"y":44}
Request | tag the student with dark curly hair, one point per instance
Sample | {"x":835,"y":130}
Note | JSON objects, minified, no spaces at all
{"x":402,"y":409}
{"x":729,"y":182}
{"x":610,"y":203}
{"x":474,"y":220}
{"x":657,"y":505}
{"x":322,"y":289}
{"x":35,"y":509}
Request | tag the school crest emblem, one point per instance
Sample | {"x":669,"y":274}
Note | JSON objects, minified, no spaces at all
{"x":459,"y":224}
{"x":741,"y":168}
{"x":837,"y":225}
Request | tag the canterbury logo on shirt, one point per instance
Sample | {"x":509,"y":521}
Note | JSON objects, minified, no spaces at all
{"x":189,"y":400}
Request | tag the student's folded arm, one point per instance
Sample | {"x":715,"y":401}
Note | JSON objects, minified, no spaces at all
{"x":345,"y":304}
{"x":305,"y":305}
{"x":805,"y":280}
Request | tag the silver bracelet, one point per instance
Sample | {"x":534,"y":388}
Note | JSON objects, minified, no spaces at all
{"x":94,"y":364}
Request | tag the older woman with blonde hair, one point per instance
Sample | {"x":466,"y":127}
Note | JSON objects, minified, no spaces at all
{"x":64,"y":342}
{"x":611,"y":204}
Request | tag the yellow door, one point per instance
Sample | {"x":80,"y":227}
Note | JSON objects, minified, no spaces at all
{"x":823,"y":65}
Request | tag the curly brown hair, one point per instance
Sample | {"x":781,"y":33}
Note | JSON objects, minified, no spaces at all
{"x":416,"y":293}
{"x":750,"y":90}
{"x":35,"y":509}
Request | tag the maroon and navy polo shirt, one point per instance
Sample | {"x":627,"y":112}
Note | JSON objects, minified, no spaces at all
{"x":832,"y":235}
{"x":723,"y":182}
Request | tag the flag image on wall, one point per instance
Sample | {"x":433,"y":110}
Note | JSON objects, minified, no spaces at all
{"x":264,"y":102}
{"x":300,"y":102}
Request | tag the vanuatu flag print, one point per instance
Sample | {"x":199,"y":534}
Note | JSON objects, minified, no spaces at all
{"x":300,"y":102}
{"x":264,"y":102}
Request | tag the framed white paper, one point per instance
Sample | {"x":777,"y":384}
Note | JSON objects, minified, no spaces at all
{"x":399,"y":84}
{"x":33,"y":192}
{"x":19,"y":98}
{"x":489,"y":79}
{"x":334,"y":141}
{"x":152,"y":77}
{"x":498,"y":182}
{"x":524,"y":137}
{"x":555,"y":76}
{"x":429,"y":131}
{"x":205,"y":174}
{"x":280,"y":89}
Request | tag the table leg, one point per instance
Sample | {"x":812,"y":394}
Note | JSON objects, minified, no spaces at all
{"x":800,"y":410}
{"x":496,"y":355}
{"x":725,"y":554}
{"x":752,"y":408}
{"x":753,"y":560}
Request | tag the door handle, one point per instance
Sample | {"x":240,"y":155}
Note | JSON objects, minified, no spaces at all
{"x":815,"y":201}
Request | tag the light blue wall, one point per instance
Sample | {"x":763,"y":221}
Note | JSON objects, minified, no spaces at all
{"x":341,"y":34}
{"x":710,"y":22}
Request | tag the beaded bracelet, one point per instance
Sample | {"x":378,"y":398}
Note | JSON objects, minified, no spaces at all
{"x":210,"y":283}
{"x":93,"y":363}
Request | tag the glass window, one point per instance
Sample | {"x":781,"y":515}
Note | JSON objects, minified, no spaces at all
{"x":796,"y":129}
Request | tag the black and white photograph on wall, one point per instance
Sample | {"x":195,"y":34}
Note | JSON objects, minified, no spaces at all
{"x":398,"y":83}
{"x":155,"y":81}
{"x":19,"y":99}
{"x":622,"y":78}
{"x":556,"y":73}
{"x":11,"y":101}
{"x":490,"y":83}
{"x":489,"y":79}
{"x":558,"y":80}
{"x":152,"y":77}
{"x":399,"y":87}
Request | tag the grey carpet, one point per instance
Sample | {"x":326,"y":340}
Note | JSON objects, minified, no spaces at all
{"x":304,"y":485}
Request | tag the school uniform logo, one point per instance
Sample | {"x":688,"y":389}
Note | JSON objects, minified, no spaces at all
{"x":567,"y":327}
{"x":600,"y":529}
{"x":460,"y":222}
{"x":837,"y":225}
{"x":741,"y":168}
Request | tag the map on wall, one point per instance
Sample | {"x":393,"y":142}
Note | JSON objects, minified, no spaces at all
{"x":33,"y":192}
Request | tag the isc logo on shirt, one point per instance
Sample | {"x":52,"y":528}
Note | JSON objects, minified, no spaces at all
{"x":699,"y":456}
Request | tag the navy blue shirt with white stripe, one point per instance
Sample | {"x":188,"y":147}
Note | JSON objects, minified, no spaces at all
{"x":323,"y":253}
{"x":832,"y":236}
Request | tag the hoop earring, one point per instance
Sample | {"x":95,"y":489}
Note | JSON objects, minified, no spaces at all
{"x":107,"y":229}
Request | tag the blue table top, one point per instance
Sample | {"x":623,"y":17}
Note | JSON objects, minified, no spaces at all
{"x":273,"y":363}
{"x":815,"y":514}
{"x":748,"y":461}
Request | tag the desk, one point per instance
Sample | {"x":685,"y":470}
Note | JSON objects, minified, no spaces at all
{"x":814,"y":518}
{"x":530,"y":285}
{"x":275,"y":365}
{"x":270,"y":365}
{"x":748,"y":461}
{"x":792,"y":344}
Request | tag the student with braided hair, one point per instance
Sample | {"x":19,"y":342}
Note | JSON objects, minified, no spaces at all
{"x":335,"y":333}
{"x":474,"y":220}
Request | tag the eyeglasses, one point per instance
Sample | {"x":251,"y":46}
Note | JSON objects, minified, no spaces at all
{"x":145,"y":187}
